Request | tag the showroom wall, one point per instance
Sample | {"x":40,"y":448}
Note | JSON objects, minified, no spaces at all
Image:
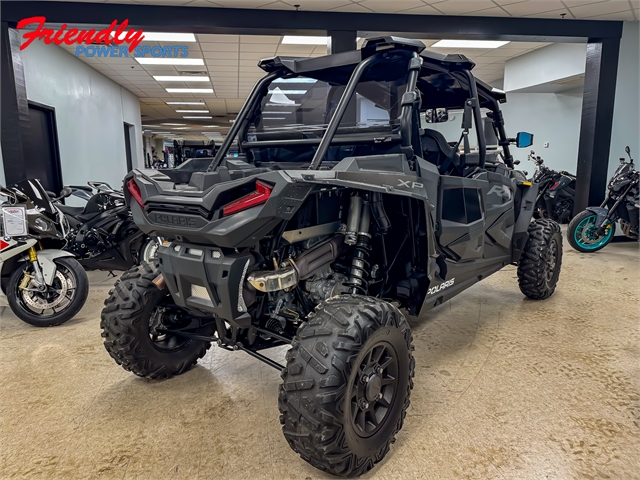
{"x":626,"y":110}
{"x":90,"y":114}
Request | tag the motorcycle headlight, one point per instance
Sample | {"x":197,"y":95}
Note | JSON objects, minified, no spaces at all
{"x":41,"y":225}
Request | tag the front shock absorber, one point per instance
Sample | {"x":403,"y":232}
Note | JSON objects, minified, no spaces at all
{"x":358,"y":235}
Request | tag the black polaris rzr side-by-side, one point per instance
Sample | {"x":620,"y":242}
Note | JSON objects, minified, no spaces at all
{"x":340,"y":209}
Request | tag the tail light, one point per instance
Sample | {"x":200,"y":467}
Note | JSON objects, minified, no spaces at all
{"x":554,"y":186}
{"x":135,"y":192}
{"x":258,"y":197}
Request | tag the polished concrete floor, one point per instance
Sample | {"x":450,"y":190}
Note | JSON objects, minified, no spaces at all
{"x":505,"y":388}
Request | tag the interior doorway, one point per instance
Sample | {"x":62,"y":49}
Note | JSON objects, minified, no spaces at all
{"x":41,"y":145}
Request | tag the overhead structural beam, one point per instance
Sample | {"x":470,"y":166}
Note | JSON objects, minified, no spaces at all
{"x":279,"y":22}
{"x":14,"y":109}
{"x":597,"y":121}
{"x":342,"y":40}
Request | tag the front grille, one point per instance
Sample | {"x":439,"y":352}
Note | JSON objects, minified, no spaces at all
{"x":200,"y":292}
{"x":173,"y":208}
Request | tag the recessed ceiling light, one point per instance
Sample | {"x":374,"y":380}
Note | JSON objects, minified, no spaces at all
{"x":192,"y":111}
{"x":164,"y":37}
{"x":180,"y":78}
{"x":169,"y":61}
{"x":289,"y":92}
{"x":199,"y":117}
{"x":185,"y":103}
{"x":174,"y":124}
{"x":295,"y":80}
{"x":189,"y":90}
{"x":304,"y":40}
{"x":469,"y":44}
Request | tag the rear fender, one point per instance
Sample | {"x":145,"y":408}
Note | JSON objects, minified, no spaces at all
{"x":601,"y":213}
{"x":521,"y":229}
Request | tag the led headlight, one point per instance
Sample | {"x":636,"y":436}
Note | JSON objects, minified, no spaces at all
{"x":41,"y":225}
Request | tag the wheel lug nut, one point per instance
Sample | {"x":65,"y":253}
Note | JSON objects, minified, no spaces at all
{"x":379,"y":369}
{"x":365,"y":405}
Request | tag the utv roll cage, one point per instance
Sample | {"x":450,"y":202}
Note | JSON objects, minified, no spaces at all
{"x":426,"y":88}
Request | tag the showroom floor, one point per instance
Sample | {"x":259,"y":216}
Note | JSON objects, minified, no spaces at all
{"x":505,"y":388}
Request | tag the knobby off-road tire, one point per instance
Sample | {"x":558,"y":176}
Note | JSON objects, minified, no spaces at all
{"x":326,"y":373}
{"x":125,"y":323}
{"x":72,"y":271}
{"x":539,"y":266}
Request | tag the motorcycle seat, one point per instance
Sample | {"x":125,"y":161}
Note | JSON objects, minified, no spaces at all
{"x":69,"y":210}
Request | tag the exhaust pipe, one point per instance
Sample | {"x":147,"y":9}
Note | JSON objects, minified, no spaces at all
{"x":303,"y":267}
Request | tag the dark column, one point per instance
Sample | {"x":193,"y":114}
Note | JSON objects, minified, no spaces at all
{"x":597,"y":119}
{"x":345,"y":41}
{"x":342,"y":40}
{"x":14,"y":109}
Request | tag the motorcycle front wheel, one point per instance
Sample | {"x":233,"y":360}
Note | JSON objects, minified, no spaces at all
{"x":583,"y":235}
{"x":54,"y":304}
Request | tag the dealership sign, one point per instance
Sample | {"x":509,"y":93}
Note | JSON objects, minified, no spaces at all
{"x":115,"y":39}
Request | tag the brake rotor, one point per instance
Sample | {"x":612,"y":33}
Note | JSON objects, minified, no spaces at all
{"x":37,"y":299}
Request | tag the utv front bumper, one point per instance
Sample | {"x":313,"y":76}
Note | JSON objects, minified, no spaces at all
{"x":208,"y":280}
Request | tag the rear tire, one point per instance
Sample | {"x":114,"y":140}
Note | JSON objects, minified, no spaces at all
{"x":578,"y":236}
{"x":127,"y":333}
{"x":539,"y":266}
{"x":72,"y":272}
{"x":347,"y":384}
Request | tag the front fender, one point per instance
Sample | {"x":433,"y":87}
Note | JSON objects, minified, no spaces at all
{"x":602,"y":214}
{"x":46,"y":260}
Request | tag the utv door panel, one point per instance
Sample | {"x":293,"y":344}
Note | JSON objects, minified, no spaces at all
{"x":500,"y":214}
{"x":461,"y":221}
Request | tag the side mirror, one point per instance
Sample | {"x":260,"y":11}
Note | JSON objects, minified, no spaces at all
{"x":516,"y":162}
{"x":436,"y":115}
{"x":524,"y":139}
{"x":628,"y":150}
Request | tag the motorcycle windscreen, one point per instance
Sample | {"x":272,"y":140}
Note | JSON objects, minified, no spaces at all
{"x":33,"y":189}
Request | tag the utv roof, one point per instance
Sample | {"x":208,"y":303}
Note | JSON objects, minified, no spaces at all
{"x":435,"y":82}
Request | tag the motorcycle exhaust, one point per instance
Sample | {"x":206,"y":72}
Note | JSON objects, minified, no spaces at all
{"x":303,"y":267}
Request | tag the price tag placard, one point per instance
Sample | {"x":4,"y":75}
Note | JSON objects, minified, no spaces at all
{"x":14,"y":221}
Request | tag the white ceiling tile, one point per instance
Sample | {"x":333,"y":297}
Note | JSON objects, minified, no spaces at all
{"x":626,"y":15}
{"x":424,"y":10}
{"x":533,"y":7}
{"x":458,"y":7}
{"x":212,"y":63}
{"x":297,"y":49}
{"x":386,"y":6}
{"x":206,"y":38}
{"x":260,"y":39}
{"x":219,"y":47}
{"x":600,"y":8}
{"x":351,"y":7}
{"x":220,"y":55}
{"x":491,"y":12}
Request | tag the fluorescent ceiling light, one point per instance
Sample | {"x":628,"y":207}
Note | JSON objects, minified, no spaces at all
{"x":192,"y":111}
{"x":161,"y":133}
{"x":304,"y":40}
{"x":288,"y":92}
{"x":181,"y":128}
{"x":180,"y":78}
{"x":469,"y":44}
{"x":199,"y":117}
{"x":152,"y":126}
{"x":209,"y":126}
{"x":174,"y":124}
{"x":189,"y":90}
{"x":274,"y":118}
{"x":295,"y":80}
{"x":169,"y":61}
{"x":164,"y":37}
{"x":277,"y":113}
{"x":185,"y":103}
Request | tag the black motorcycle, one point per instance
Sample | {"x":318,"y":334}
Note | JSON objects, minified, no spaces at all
{"x":556,"y":191}
{"x":41,"y":283}
{"x":593,"y":229}
{"x":102,"y":234}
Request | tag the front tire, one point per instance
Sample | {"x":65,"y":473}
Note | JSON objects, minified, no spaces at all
{"x":539,"y":266}
{"x":59,"y":303}
{"x":347,"y":384}
{"x":128,"y":324}
{"x":582,"y":236}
